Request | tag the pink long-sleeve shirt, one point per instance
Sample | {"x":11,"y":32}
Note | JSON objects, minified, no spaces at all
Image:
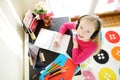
{"x":84,"y":50}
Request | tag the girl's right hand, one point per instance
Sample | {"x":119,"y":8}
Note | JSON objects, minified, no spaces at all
{"x":58,"y":40}
{"x":56,"y":43}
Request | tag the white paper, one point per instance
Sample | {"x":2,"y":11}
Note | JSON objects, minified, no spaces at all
{"x":46,"y":39}
{"x":63,"y":45}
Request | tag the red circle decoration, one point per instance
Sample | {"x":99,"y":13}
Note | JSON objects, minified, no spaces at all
{"x":112,"y":36}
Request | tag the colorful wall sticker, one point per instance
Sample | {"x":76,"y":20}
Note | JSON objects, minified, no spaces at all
{"x":88,"y":75}
{"x":116,"y":53}
{"x":102,"y":57}
{"x":107,"y":74}
{"x":112,"y":36}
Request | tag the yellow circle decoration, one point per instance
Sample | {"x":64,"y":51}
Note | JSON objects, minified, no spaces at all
{"x":107,"y":74}
{"x":85,"y":64}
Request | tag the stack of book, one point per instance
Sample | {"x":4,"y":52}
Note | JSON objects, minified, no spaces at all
{"x":30,"y":23}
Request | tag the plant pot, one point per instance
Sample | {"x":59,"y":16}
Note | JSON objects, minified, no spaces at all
{"x":47,"y":21}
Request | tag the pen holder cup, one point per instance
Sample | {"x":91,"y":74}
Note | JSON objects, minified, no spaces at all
{"x":47,"y":21}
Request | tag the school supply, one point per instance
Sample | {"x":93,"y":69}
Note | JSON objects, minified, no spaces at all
{"x":58,"y":72}
{"x":54,"y":71}
{"x":32,"y":35}
{"x":46,"y":39}
{"x":53,"y":67}
{"x":67,"y":66}
{"x":36,"y":57}
{"x":30,"y":24}
{"x":28,"y":18}
{"x":41,"y":56}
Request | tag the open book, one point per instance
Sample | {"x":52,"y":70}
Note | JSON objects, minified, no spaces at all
{"x":46,"y":39}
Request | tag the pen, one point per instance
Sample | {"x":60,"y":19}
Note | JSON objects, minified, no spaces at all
{"x":53,"y":67}
{"x":58,"y":69}
{"x":58,"y":72}
{"x":53,"y":71}
{"x":53,"y":76}
{"x":35,"y":75}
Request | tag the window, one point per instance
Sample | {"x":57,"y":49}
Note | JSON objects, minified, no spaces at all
{"x":107,"y":5}
{"x":80,"y":7}
{"x":69,"y":7}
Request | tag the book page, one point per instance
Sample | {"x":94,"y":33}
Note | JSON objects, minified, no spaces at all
{"x":63,"y":45}
{"x":44,"y":38}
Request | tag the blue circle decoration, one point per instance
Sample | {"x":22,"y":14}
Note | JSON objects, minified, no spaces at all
{"x":102,"y":57}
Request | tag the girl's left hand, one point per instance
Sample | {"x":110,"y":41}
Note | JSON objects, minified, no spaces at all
{"x":75,"y":43}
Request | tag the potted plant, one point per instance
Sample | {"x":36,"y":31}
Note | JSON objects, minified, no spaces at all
{"x":41,"y":13}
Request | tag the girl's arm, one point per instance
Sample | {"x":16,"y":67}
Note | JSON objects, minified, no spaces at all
{"x":66,"y":26}
{"x":79,"y":56}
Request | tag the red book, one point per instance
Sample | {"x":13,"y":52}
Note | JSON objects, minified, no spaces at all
{"x":33,"y":25}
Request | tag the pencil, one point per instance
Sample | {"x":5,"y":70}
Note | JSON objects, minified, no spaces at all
{"x":60,"y":71}
{"x":53,"y":67}
{"x":53,"y":71}
{"x":35,"y":75}
{"x":57,"y":73}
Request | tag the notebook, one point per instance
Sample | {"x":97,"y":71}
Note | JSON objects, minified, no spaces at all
{"x":46,"y":39}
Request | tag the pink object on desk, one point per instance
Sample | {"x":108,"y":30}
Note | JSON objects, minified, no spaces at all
{"x":28,"y":18}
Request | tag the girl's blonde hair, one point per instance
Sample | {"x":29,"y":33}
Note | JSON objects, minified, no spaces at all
{"x":98,"y":37}
{"x":99,"y":43}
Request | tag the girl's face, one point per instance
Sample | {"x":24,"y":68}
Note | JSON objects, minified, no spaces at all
{"x":85,"y":30}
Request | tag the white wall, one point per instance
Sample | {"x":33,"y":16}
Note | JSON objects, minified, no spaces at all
{"x":14,"y":62}
{"x":11,"y":40}
{"x":29,"y":4}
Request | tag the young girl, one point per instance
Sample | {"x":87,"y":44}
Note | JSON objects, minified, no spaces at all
{"x":84,"y":34}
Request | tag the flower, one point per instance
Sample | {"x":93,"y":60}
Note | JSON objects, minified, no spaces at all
{"x":41,"y":11}
{"x":40,"y":8}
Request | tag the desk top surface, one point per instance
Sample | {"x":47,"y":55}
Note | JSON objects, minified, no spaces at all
{"x":55,"y":25}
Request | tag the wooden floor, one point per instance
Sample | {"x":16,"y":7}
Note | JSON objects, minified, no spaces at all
{"x":108,"y":19}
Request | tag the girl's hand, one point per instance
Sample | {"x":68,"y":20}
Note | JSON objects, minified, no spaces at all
{"x":75,"y":43}
{"x":56,"y":43}
{"x":58,"y":40}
